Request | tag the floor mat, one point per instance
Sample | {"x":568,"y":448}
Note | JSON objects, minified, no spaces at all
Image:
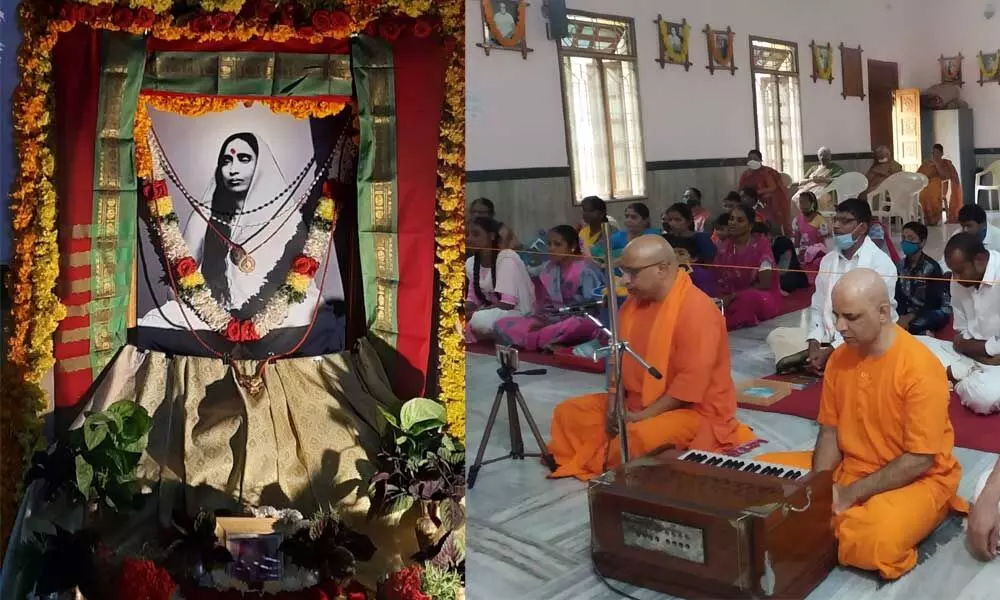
{"x":973,"y":431}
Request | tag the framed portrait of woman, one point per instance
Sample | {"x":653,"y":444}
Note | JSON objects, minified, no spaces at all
{"x":721,"y":50}
{"x":951,"y":69}
{"x":504,"y":26}
{"x":674,"y":42}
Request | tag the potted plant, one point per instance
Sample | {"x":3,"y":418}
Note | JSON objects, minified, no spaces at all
{"x":420,"y":464}
{"x":329,"y":548}
{"x":94,"y":465}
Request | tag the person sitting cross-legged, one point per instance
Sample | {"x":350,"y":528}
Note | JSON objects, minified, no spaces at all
{"x":884,"y":432}
{"x":973,"y":357}
{"x":923,"y":299}
{"x":679,"y":331}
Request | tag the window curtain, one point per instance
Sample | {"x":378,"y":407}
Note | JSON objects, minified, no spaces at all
{"x":588,"y":134}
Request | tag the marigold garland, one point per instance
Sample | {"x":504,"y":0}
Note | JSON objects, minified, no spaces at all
{"x":36,"y":310}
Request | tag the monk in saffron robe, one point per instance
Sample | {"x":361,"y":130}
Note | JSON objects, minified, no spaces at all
{"x":678,"y":330}
{"x":884,"y":432}
{"x":939,"y":170}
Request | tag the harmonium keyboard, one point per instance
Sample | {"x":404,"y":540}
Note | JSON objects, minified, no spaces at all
{"x":701,"y":525}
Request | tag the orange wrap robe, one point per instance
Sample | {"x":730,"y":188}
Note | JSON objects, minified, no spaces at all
{"x":932,"y":196}
{"x":883,"y":407}
{"x":684,"y":337}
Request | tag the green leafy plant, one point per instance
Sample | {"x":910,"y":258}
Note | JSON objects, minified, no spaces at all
{"x":440,"y":584}
{"x":195,"y":549}
{"x":97,"y":462}
{"x":419,"y":461}
{"x":329,"y":547}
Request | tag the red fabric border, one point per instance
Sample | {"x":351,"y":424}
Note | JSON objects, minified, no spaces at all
{"x":77,"y":79}
{"x":419,"y":83}
{"x":344,"y":99}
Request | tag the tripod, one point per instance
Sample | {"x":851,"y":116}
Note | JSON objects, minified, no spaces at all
{"x":510,"y":390}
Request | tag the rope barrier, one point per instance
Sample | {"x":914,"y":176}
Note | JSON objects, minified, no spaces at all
{"x":774,"y":268}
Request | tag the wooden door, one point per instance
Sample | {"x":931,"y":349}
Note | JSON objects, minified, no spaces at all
{"x":883,"y":80}
{"x":906,"y":128}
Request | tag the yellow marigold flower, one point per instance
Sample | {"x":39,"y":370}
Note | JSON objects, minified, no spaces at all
{"x":298,"y":282}
{"x":325,"y":209}
{"x":164,"y":206}
{"x":193,"y":280}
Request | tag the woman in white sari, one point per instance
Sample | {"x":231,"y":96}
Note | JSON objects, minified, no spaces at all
{"x":499,"y":283}
{"x":256,"y":232}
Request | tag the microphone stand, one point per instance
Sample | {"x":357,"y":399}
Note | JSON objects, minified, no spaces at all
{"x":617,"y":347}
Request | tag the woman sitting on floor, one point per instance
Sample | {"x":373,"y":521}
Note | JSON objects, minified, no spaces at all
{"x":810,"y":232}
{"x":499,"y":284}
{"x":923,"y":297}
{"x":687,"y":257}
{"x":748,"y":285}
{"x":567,"y":278}
{"x":595,"y":214}
{"x":679,"y":222}
{"x":793,"y":277}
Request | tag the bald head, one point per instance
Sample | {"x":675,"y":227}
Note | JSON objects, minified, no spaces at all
{"x":648,"y":266}
{"x":862,"y":307}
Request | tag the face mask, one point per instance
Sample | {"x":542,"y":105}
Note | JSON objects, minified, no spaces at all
{"x":909,"y":248}
{"x":844,"y":241}
{"x":754,"y":164}
{"x":982,"y":233}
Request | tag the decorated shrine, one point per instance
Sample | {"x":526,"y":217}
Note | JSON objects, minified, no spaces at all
{"x":237,"y":232}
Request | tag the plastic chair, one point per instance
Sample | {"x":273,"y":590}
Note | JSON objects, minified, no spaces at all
{"x":898,"y":197}
{"x":993,"y":171}
{"x":848,"y":185}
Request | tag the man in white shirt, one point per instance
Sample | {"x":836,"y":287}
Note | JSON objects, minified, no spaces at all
{"x":853,"y":250}
{"x":973,"y":358}
{"x":972,"y":218}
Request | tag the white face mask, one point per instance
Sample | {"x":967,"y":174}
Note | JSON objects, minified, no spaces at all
{"x":754,"y":164}
{"x":882,"y":161}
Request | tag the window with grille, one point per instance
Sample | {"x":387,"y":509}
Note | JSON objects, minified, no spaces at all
{"x":601,"y":101}
{"x":775,"y":68}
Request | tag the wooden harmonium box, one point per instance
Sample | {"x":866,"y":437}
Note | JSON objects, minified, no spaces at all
{"x":701,"y":525}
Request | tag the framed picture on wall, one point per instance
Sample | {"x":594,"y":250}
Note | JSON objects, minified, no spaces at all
{"x":822,"y":62}
{"x":675,"y":41}
{"x":721,"y":50}
{"x":852,"y":71}
{"x":951,"y":69}
{"x":504,"y":26}
{"x":989,"y":67}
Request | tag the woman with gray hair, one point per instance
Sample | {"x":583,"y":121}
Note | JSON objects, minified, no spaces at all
{"x":818,"y":177}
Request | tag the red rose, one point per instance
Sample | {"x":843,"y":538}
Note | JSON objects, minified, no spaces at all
{"x":122,"y":17}
{"x":322,"y":20}
{"x":304,"y":265}
{"x":156,"y":189}
{"x":186,"y":266}
{"x":85,"y":12}
{"x":341,"y":20}
{"x":326,"y":189}
{"x":144,"y":17}
{"x":422,"y":28}
{"x":223,"y":21}
{"x":103,"y":11}
{"x":248,"y":332}
{"x":233,"y":330}
{"x":390,"y":31}
{"x":201,"y":24}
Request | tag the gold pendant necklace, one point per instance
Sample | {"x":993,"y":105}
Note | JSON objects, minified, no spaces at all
{"x":253,"y":383}
{"x":242,"y":259}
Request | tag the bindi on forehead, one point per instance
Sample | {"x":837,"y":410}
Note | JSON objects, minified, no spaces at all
{"x":232,"y":151}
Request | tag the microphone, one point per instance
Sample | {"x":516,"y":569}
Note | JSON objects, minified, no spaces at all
{"x":583,"y":306}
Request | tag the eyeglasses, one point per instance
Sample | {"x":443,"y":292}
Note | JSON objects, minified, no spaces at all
{"x":633,"y":272}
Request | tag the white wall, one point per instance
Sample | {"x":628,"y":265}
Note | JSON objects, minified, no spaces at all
{"x":959,"y":26}
{"x":515,"y":117}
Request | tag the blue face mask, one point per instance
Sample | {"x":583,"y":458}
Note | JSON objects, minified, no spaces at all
{"x":844,"y":241}
{"x":982,"y":233}
{"x":909,"y":248}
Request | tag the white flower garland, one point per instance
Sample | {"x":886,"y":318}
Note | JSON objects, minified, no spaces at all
{"x":191,"y":285}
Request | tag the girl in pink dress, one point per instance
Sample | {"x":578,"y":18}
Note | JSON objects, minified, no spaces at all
{"x":810,"y":232}
{"x":748,"y":285}
{"x":498,"y":282}
{"x":567,"y":278}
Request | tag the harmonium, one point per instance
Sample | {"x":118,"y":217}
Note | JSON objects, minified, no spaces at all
{"x":701,"y":525}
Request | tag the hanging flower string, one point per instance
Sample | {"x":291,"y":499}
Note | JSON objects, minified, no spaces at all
{"x":192,"y":287}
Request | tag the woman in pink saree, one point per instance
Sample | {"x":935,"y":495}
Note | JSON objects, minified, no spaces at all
{"x":567,"y":278}
{"x":772,"y":193}
{"x":748,"y":285}
{"x":810,"y":233}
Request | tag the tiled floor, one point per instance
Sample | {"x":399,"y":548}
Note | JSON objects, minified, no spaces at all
{"x":529,"y":536}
